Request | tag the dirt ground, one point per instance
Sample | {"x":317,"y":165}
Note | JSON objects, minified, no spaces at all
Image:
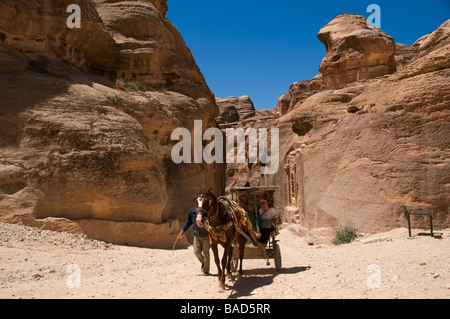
{"x":38,"y":263}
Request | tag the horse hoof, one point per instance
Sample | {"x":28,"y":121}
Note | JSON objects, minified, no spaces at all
{"x":229,"y":276}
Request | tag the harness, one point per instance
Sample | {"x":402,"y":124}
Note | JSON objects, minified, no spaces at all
{"x":219,"y":232}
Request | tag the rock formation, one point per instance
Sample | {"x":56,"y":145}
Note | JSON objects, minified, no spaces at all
{"x":354,"y":51}
{"x":84,"y":149}
{"x":298,"y":92}
{"x":151,"y":50}
{"x":129,"y":39}
{"x":78,"y":154}
{"x":433,"y":51}
{"x":240,"y":113}
{"x":360,"y":151}
{"x":403,"y":54}
{"x":234,"y":109}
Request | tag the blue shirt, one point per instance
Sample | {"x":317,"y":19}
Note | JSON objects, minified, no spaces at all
{"x":191,"y":220}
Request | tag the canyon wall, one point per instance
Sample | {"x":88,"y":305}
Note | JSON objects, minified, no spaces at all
{"x":82,"y":147}
{"x":367,"y":136}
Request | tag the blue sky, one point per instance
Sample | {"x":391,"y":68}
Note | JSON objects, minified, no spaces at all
{"x":260,"y":47}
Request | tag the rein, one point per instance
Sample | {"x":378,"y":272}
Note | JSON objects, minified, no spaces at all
{"x":173,"y":248}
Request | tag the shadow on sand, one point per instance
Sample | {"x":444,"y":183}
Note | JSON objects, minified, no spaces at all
{"x":256,"y":278}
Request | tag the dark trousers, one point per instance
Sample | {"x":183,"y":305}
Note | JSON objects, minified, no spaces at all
{"x":265,"y":234}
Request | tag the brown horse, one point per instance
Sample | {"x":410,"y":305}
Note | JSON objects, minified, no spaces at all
{"x":219,"y":223}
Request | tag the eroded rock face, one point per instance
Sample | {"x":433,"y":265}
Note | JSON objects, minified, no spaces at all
{"x":297,"y":93}
{"x":70,"y":151}
{"x":161,"y":5}
{"x":240,"y":113}
{"x":233,"y":109}
{"x":432,"y":50}
{"x":404,"y":54}
{"x":76,"y":153}
{"x":359,"y":153}
{"x":151,"y":50}
{"x":354,"y":51}
{"x":129,"y":39}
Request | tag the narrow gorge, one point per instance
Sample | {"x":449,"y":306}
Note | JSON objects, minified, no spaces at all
{"x":86,"y":117}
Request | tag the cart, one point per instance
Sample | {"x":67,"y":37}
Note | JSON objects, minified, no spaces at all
{"x":244,"y":196}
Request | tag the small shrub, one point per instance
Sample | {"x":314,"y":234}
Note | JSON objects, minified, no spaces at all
{"x":120,"y":83}
{"x":165,"y":149}
{"x":345,"y":235}
{"x":135,"y":86}
{"x":153,"y":142}
{"x":130,"y":86}
{"x":115,"y":100}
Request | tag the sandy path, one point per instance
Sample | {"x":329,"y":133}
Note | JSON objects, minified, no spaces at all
{"x":35,"y":264}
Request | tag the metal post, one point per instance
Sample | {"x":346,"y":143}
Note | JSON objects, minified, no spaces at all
{"x":431,"y":224}
{"x":409,"y":224}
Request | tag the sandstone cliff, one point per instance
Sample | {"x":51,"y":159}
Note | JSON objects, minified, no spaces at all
{"x":234,"y":109}
{"x":354,"y":51}
{"x":240,"y":113}
{"x":81,"y":150}
{"x":79,"y":154}
{"x":361,"y":140}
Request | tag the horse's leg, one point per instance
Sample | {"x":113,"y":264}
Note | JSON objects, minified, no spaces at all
{"x":226,"y":254}
{"x":230,"y":255}
{"x":224,"y":264}
{"x":242,"y":241}
{"x":216,"y":258}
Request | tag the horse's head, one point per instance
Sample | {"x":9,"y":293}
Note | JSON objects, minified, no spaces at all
{"x":204,"y":201}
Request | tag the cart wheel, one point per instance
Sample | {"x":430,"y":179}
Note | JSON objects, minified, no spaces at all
{"x":277,"y":256}
{"x":234,"y":264}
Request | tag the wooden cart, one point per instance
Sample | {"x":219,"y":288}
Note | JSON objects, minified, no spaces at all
{"x":244,"y":196}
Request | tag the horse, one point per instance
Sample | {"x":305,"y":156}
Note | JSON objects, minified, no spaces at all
{"x":221,"y":228}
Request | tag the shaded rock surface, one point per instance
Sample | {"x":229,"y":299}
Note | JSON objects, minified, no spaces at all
{"x":76,"y":153}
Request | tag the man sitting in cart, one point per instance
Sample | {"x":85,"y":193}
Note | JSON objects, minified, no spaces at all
{"x":267,"y":215}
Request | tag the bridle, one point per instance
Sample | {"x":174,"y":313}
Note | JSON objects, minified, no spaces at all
{"x":208,"y":210}
{"x":202,"y":206}
{"x":216,"y":223}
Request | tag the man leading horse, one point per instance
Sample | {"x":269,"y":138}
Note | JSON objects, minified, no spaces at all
{"x":220,"y":217}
